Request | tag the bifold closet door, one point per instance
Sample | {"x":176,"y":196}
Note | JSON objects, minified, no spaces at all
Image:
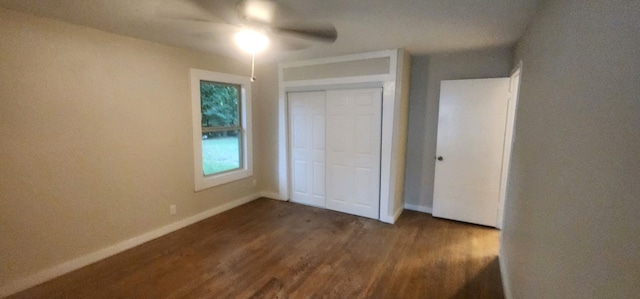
{"x":353,"y":133}
{"x":307,"y":139}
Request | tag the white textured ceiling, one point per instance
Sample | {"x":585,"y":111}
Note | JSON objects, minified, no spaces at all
{"x":420,"y":26}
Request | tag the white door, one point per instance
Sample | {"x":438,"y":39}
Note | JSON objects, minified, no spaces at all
{"x":471,"y":132}
{"x":354,"y":120}
{"x":307,"y":137}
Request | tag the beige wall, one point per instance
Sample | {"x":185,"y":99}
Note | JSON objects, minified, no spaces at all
{"x":96,"y":140}
{"x":265,"y":108}
{"x":571,"y":225}
{"x":426,"y":74}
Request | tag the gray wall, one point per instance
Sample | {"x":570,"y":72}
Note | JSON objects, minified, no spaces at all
{"x":572,"y":225}
{"x":426,"y":74}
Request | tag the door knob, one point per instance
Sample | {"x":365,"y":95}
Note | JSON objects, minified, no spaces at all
{"x":440,"y":158}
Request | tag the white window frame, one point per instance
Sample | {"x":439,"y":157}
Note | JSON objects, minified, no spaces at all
{"x":246,"y":170}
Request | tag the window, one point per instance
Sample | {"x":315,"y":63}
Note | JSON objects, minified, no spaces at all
{"x":221,"y":115}
{"x":220,"y":106}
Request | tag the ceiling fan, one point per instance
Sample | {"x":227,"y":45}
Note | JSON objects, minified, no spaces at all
{"x":258,"y":23}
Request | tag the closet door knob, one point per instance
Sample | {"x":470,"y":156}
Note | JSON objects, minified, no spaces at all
{"x":440,"y":158}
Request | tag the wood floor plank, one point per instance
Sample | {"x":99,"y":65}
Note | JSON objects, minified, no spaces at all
{"x":272,"y":249}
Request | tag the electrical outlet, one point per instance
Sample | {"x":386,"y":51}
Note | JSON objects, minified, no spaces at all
{"x":172,"y":209}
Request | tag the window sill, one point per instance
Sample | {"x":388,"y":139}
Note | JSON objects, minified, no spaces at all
{"x":206,"y":182}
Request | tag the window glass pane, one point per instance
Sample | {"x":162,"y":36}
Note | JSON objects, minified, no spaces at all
{"x":219,"y":104}
{"x":221,"y":151}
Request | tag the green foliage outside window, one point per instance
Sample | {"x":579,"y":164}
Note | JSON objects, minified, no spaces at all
{"x":221,"y":130}
{"x":219,"y":105}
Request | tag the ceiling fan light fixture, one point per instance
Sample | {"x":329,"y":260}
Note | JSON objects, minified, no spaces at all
{"x":251,"y":41}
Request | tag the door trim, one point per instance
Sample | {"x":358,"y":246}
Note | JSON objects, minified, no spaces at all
{"x":509,"y":139}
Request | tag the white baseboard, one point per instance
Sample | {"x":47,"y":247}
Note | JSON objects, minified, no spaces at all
{"x":271,"y":195}
{"x":386,"y":219}
{"x":79,"y":262}
{"x":391,"y":219}
{"x":418,"y":208}
{"x":506,"y":286}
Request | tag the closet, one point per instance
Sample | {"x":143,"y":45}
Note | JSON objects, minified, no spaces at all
{"x":335,"y":140}
{"x":342,"y":128}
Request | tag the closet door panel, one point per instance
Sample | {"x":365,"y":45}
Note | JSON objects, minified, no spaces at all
{"x":354,"y":119}
{"x":307,"y":143}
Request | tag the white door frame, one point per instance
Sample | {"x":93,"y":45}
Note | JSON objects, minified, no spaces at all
{"x":510,"y":138}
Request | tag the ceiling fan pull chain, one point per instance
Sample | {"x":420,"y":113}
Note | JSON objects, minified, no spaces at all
{"x":253,"y":66}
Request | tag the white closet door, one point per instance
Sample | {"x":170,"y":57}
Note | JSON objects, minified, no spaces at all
{"x":307,"y":137}
{"x":354,"y":120}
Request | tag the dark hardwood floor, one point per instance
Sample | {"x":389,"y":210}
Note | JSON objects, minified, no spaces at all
{"x":272,"y":249}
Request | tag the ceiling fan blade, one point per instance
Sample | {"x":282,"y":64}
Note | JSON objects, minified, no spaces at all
{"x":324,"y":32}
{"x":224,"y":10}
{"x":285,"y":43}
{"x":281,"y":19}
{"x":188,"y":18}
{"x":287,"y":30}
{"x":190,"y":22}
